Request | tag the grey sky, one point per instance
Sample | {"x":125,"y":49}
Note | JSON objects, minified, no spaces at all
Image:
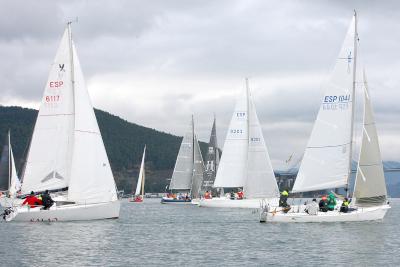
{"x":156,"y":62}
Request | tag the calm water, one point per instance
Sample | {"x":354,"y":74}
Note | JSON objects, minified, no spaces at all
{"x":150,"y":234}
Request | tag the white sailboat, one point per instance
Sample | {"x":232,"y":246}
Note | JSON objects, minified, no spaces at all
{"x":139,"y":192}
{"x":327,"y":159}
{"x":188,"y":173}
{"x":67,"y":154}
{"x":10,"y":184}
{"x":245,"y":161}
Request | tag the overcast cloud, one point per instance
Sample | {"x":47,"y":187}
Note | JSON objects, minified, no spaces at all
{"x":157,"y":62}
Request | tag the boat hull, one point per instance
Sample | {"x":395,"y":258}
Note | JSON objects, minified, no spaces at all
{"x":361,"y":214}
{"x":71,"y":212}
{"x":167,"y":200}
{"x":223,"y":202}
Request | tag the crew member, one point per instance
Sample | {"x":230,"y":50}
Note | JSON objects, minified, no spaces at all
{"x":283,"y":199}
{"x":323,"y":205}
{"x":312,"y":208}
{"x":47,"y":200}
{"x":345,"y":205}
{"x":240,"y":194}
{"x":331,"y":201}
{"x":32,"y":200}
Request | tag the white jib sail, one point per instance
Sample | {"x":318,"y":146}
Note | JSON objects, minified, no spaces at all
{"x":140,"y":181}
{"x":91,"y":179}
{"x":49,"y":158}
{"x":233,"y":164}
{"x":326,"y":159}
{"x":15,"y":184}
{"x":260,"y":182}
{"x":183,"y":171}
{"x":198,"y":170}
{"x":370,"y":186}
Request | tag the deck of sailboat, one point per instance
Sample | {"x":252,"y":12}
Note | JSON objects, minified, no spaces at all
{"x":359,"y":214}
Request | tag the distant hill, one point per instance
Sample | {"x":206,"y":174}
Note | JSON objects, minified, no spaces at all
{"x":124,"y":142}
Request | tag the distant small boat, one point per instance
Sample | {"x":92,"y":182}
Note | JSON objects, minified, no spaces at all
{"x":245,"y":162}
{"x":188,"y":173}
{"x":139,"y":193}
{"x":10,"y":184}
{"x":327,"y":160}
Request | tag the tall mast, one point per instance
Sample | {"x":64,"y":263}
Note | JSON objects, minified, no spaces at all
{"x":247,"y":123}
{"x":9,"y":160}
{"x":71,"y":60}
{"x":192,"y":155}
{"x":353,"y":101}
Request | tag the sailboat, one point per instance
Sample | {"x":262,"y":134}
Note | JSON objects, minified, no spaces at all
{"x":67,"y":154}
{"x":188,"y":173}
{"x":211,"y":163}
{"x":139,"y":192}
{"x":328,"y":156}
{"x":245,"y":162}
{"x":10,"y":184}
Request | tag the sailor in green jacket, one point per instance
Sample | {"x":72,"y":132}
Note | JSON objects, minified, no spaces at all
{"x":331,"y":201}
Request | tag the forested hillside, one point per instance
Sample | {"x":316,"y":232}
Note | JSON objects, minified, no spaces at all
{"x":124,"y":142}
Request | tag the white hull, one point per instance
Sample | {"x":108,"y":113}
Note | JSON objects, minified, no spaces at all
{"x":223,"y":202}
{"x":361,"y":214}
{"x":7,"y":202}
{"x":72,"y":212}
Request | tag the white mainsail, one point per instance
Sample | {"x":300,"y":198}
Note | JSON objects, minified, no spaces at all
{"x":261,"y":181}
{"x":49,"y":160}
{"x":370,"y":186}
{"x":140,"y":182}
{"x":183,"y":171}
{"x":233,"y":164}
{"x":326,"y":159}
{"x":198,"y":170}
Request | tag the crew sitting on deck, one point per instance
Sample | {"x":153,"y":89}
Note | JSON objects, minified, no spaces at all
{"x":323,"y":205}
{"x":47,"y":200}
{"x":32,"y":200}
{"x":232,"y":195}
{"x":240,"y":194}
{"x":312,"y":208}
{"x":207,"y":195}
{"x":331,"y":201}
{"x":345,"y":205}
{"x":283,"y":199}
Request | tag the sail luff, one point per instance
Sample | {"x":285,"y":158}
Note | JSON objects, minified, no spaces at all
{"x":198,"y":170}
{"x":9,"y":160}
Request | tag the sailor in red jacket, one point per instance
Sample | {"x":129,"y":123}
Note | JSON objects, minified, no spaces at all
{"x":32,"y":200}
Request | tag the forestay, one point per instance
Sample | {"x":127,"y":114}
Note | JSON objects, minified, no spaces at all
{"x":233,"y":164}
{"x":183,"y":171}
{"x":260,"y":180}
{"x":370,"y":186}
{"x":326,"y":159}
{"x":49,"y":159}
